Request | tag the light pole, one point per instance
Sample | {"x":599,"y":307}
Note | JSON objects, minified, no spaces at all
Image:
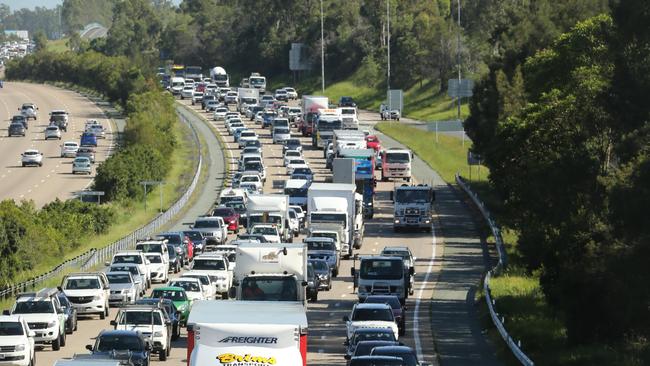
{"x":146,"y":183}
{"x":322,"y":49}
{"x":390,"y":107}
{"x":458,"y":58}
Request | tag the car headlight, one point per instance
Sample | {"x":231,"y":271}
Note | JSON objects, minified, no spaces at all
{"x":97,"y":297}
{"x":20,"y":347}
{"x":323,"y":276}
{"x":182,"y":307}
{"x":157,"y":334}
{"x":51,"y":324}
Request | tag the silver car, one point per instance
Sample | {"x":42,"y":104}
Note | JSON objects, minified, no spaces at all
{"x":53,"y":132}
{"x":81,"y":164}
{"x":32,"y":157}
{"x":124,"y":288}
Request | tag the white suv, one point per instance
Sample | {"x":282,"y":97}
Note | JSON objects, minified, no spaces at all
{"x":150,"y":321}
{"x":16,"y":341}
{"x":216,"y":266}
{"x":44,"y":315}
{"x":134,"y":257}
{"x":212,"y":227}
{"x":88,"y":292}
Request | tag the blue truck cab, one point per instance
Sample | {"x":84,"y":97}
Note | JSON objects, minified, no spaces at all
{"x":88,"y":139}
{"x":364,"y":178}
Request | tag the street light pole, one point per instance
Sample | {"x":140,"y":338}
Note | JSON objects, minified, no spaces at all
{"x":322,"y":49}
{"x":458,"y":57}
{"x":390,"y":107}
{"x":146,"y":183}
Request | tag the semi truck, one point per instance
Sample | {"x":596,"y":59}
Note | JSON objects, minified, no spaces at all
{"x":310,"y":106}
{"x":380,"y":275}
{"x":396,"y":163}
{"x":247,"y":333}
{"x":333,"y":205}
{"x":270,"y":272}
{"x":220,"y":77}
{"x":269,"y":209}
{"x":194,"y":72}
{"x":327,"y":120}
{"x":413,"y":207}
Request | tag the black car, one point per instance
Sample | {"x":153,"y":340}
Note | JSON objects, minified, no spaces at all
{"x":347,"y":102}
{"x":16,"y":129}
{"x":175,"y":260}
{"x":70,"y":313}
{"x":364,"y":348}
{"x":323,"y":272}
{"x":407,"y":354}
{"x":367,"y":334}
{"x":312,"y":283}
{"x":170,"y":311}
{"x":177,"y":239}
{"x":399,"y":310}
{"x":122,"y":344}
{"x":197,"y":238}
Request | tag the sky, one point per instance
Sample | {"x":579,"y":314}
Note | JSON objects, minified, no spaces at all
{"x":31,"y":4}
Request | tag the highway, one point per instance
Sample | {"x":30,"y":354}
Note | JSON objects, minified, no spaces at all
{"x":54,"y":179}
{"x":436,"y":260}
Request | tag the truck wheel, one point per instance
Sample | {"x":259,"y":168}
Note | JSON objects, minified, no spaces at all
{"x":224,"y":295}
{"x":63,"y":339}
{"x":56,"y":344}
{"x":162,"y":355}
{"x":314,"y":297}
{"x":102,"y":315}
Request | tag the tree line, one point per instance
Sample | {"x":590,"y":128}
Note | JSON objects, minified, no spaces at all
{"x":563,"y":127}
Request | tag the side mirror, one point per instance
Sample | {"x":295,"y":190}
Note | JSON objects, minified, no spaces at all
{"x":304,"y":283}
{"x":107,"y":264}
{"x":346,"y":318}
{"x":31,"y":333}
{"x":89,"y":347}
{"x":113,"y":323}
{"x":411,"y":271}
{"x":147,"y":346}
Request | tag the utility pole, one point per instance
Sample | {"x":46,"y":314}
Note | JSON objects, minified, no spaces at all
{"x":322,"y":49}
{"x":458,"y":57}
{"x":390,"y":107}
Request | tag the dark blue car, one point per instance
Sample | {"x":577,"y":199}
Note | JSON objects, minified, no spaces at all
{"x":122,"y":345}
{"x":88,"y":139}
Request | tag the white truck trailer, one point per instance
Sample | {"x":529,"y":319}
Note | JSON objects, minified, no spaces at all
{"x":270,"y":272}
{"x":247,"y":333}
{"x":269,"y":209}
{"x":333,"y":204}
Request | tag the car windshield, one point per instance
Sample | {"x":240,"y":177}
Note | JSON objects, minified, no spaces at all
{"x":269,"y":289}
{"x":393,"y":301}
{"x":81,"y":284}
{"x":281,"y":131}
{"x":264,"y":230}
{"x":204,"y":279}
{"x":225,"y":212}
{"x":379,"y":335}
{"x":202,"y":224}
{"x":395,"y":157}
{"x":247,"y":134}
{"x":171,"y":238}
{"x":33,"y":307}
{"x":118,"y":278}
{"x":154,"y":258}
{"x":396,"y":253}
{"x":128,"y":259}
{"x":141,"y":317}
{"x":320,"y":245}
{"x":382,"y":269}
{"x":149,"y":248}
{"x":173,"y":295}
{"x":408,"y":357}
{"x":296,"y":192}
{"x":186,"y":285}
{"x":361,"y":314}
{"x":302,"y":170}
{"x":209,"y":264}
{"x":320,"y":266}
{"x":195,"y":236}
{"x":249,"y":178}
{"x":292,"y":153}
{"x":11,"y":329}
{"x":120,"y":342}
{"x":412,"y":195}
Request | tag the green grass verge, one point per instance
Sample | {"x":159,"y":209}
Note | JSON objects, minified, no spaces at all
{"x":58,"y":45}
{"x":447,"y":156}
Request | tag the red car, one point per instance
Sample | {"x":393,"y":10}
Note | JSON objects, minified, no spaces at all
{"x":229,"y":216}
{"x":372,"y":142}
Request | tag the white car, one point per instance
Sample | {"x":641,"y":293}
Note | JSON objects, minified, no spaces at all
{"x":83,"y":165}
{"x":215,"y":266}
{"x":259,"y":117}
{"x":209,"y":289}
{"x":187,"y":92}
{"x":295,"y":163}
{"x":16,"y":341}
{"x":211,"y":105}
{"x":250,"y":187}
{"x":88,"y":292}
{"x":230,"y":115}
{"x":281,"y":94}
{"x":280,"y":135}
{"x":252,"y":150}
{"x":300,"y":213}
{"x":269,"y":232}
{"x":290,"y":155}
{"x":197,"y":97}
{"x":219,"y":114}
{"x":32,"y":157}
{"x":157,"y":267}
{"x":41,"y":311}
{"x":230,"y":97}
{"x":253,"y":179}
{"x":96,"y":129}
{"x":148,"y":320}
{"x":69,"y":149}
{"x":28,"y":110}
{"x":52,"y":132}
{"x":192,"y":287}
{"x":370,"y":316}
{"x":246,"y":136}
{"x":212,"y":227}
{"x":139,"y":278}
{"x":291,"y":93}
{"x":294,"y":222}
{"x":229,"y":251}
{"x":133,"y":257}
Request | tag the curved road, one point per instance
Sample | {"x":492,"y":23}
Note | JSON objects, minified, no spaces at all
{"x":54,"y":179}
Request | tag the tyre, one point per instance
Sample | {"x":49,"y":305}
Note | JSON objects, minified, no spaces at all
{"x":314,"y":297}
{"x":32,"y":362}
{"x":162,"y":355}
{"x":402,"y":330}
{"x":102,"y":315}
{"x":69,"y":330}
{"x":106,"y":309}
{"x":40,"y":164}
{"x":63,"y":339}
{"x":329,"y":285}
{"x":335,"y":272}
{"x":175,"y":332}
{"x":224,"y":295}
{"x":76,"y":324}
{"x":169,"y":349}
{"x":56,"y":344}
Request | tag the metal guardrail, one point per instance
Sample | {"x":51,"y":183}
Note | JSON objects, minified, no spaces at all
{"x":515,"y":346}
{"x":95,"y":256}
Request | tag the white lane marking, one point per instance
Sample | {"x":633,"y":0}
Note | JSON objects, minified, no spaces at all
{"x":350,"y":287}
{"x":343,"y":295}
{"x":418,"y":299}
{"x":323,"y":337}
{"x":328,"y":325}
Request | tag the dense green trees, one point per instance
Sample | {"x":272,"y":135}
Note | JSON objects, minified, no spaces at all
{"x":38,"y":19}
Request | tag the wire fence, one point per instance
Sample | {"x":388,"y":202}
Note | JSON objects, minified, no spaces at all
{"x":497,"y":319}
{"x":96,"y":256}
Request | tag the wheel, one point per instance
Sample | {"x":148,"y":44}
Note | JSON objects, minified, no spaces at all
{"x":102,"y":315}
{"x":76,"y":323}
{"x":408,"y":179}
{"x":106,"y":309}
{"x":402,"y":330}
{"x":162,"y":355}
{"x":40,"y":164}
{"x":314,"y":297}
{"x":335,"y":272}
{"x":32,"y":362}
{"x":175,"y":332}
{"x":63,"y":339}
{"x":169,"y":348}
{"x":329,"y":286}
{"x":224,"y":295}
{"x":56,"y":344}
{"x":69,"y":330}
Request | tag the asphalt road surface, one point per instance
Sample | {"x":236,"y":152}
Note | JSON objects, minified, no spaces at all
{"x":448,"y":266}
{"x":54,"y":179}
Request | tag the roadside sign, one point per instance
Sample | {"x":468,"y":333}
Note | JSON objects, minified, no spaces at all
{"x":462,"y":89}
{"x":473,"y":159}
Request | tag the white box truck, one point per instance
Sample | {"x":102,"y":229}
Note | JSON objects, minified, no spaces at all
{"x":269,"y":209}
{"x":270,"y":272}
{"x":247,"y":96}
{"x":247,"y":333}
{"x":333,"y":204}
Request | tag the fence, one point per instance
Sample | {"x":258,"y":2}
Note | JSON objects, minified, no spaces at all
{"x":94,"y":256}
{"x":515,"y":346}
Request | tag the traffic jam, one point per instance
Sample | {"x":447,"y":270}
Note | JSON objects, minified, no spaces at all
{"x":308,"y":256}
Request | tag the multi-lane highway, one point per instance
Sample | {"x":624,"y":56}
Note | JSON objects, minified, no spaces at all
{"x":54,"y":179}
{"x":449,"y":264}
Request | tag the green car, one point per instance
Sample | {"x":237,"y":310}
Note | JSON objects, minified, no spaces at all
{"x":178,"y":296}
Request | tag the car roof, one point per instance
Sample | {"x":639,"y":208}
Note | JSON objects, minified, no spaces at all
{"x":372,"y":306}
{"x":31,"y":150}
{"x":169,"y":288}
{"x":114,"y":332}
{"x":394,"y":349}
